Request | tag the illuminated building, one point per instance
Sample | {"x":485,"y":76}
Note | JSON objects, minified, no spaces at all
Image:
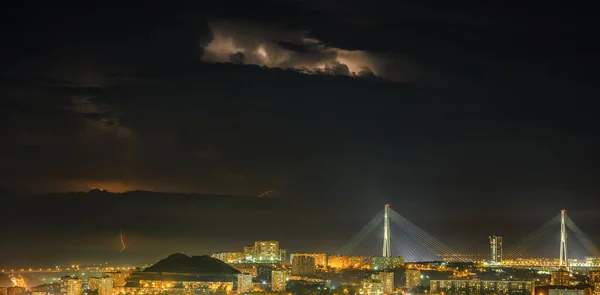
{"x":594,"y":276}
{"x":71,"y":286}
{"x":103,"y":285}
{"x":346,"y":262}
{"x":119,"y":277}
{"x":278,"y":280}
{"x":236,"y":257}
{"x":18,"y":281}
{"x":371,"y":286}
{"x":3,"y":290}
{"x":39,"y":293}
{"x":387,"y":278}
{"x":565,"y":291}
{"x":16,"y":290}
{"x":151,"y":286}
{"x":248,"y":252}
{"x":303,"y":266}
{"x":387,"y":263}
{"x":596,"y":288}
{"x":320,"y":258}
{"x":469,"y":287}
{"x":266,"y":251}
{"x":51,"y":289}
{"x":244,"y":283}
{"x":496,"y":249}
{"x":413,"y":278}
{"x":592,"y":260}
{"x":230,"y":257}
{"x":282,"y":255}
{"x":560,"y":277}
{"x":550,"y":262}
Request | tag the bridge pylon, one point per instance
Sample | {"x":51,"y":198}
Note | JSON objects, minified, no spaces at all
{"x":387,"y":251}
{"x":563,"y":261}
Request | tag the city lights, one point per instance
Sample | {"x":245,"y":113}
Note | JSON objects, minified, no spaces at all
{"x":354,"y":274}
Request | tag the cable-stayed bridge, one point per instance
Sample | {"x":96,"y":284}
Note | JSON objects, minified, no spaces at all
{"x":390,"y":234}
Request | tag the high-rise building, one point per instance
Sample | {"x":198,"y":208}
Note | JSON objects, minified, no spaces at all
{"x":244,"y":283}
{"x":594,"y":276}
{"x":282,"y":255}
{"x":387,"y":263}
{"x":71,"y":286}
{"x":320,"y":258}
{"x":475,"y":287}
{"x":560,"y":277}
{"x":39,"y":293}
{"x":104,"y":285}
{"x":266,"y":251}
{"x":371,"y":286}
{"x":16,"y":290}
{"x":596,"y":288}
{"x":119,"y":277}
{"x":387,"y":278}
{"x":496,"y":249}
{"x":248,"y":252}
{"x":413,"y":278}
{"x":278,"y":280}
{"x":303,"y":266}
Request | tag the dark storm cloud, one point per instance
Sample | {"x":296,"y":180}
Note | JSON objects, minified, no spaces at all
{"x":193,"y":133}
{"x":164,"y":102}
{"x":293,"y":46}
{"x":471,"y":43}
{"x":272,"y":45}
{"x":119,"y":99}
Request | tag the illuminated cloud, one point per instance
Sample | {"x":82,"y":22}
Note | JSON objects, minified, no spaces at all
{"x":278,"y":48}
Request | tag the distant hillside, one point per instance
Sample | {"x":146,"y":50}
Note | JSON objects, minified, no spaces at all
{"x":181,"y":263}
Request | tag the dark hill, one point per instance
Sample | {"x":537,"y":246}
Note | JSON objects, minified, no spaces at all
{"x":181,"y":263}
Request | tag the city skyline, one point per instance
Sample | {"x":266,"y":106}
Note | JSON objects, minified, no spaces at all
{"x":251,"y":265}
{"x":130,"y":133}
{"x":109,"y":246}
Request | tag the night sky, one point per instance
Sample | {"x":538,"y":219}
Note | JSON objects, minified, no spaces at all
{"x":470,"y":118}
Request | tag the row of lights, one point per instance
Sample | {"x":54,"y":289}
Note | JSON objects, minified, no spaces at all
{"x":75,"y":267}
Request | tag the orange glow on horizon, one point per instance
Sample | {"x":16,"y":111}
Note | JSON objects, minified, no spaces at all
{"x":109,"y":186}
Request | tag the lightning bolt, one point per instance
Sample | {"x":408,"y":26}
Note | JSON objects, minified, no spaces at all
{"x":266,"y":193}
{"x":123,"y":247}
